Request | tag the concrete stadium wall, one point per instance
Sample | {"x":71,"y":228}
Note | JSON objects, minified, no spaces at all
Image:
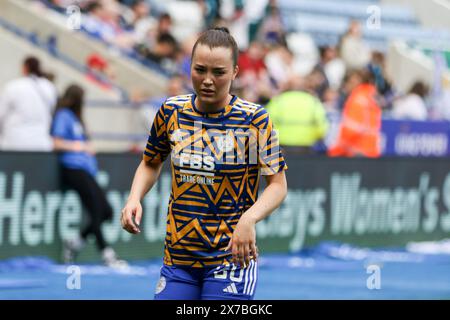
{"x":13,"y":51}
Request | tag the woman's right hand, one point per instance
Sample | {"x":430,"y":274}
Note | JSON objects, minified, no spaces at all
{"x":89,"y":148}
{"x":132,"y":209}
{"x":78,"y":146}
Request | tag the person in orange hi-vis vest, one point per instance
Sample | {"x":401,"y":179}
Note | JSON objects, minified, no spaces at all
{"x":359,"y":133}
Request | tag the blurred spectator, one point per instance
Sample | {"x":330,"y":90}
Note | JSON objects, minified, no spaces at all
{"x":252,"y":60}
{"x":353,"y":50}
{"x":312,"y":85}
{"x":142,"y":22}
{"x":299,"y":117}
{"x":334,"y":68}
{"x":149,"y":107}
{"x":412,"y":106}
{"x":210,"y":10}
{"x":78,"y":171}
{"x":330,"y":100}
{"x":184,"y":64}
{"x":304,"y":50}
{"x":331,"y":69}
{"x":360,"y":127}
{"x":163,"y":26}
{"x":316,"y":83}
{"x":272,"y":30}
{"x":255,"y":10}
{"x":50,"y":76}
{"x":175,"y":87}
{"x":378,"y":67}
{"x":26,"y":107}
{"x":439,"y":96}
{"x":441,"y":105}
{"x":352,"y":79}
{"x":234,"y":13}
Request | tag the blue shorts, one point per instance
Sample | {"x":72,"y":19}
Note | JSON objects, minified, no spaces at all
{"x":228,"y":282}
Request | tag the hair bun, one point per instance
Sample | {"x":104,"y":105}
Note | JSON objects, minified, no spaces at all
{"x":223,"y":29}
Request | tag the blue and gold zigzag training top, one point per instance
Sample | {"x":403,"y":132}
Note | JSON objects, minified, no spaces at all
{"x":216,"y":159}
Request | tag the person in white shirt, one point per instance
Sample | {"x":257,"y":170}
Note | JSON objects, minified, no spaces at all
{"x":26,"y":107}
{"x":412,"y":106}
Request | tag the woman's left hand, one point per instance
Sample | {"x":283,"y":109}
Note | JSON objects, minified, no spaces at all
{"x":243,"y":242}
